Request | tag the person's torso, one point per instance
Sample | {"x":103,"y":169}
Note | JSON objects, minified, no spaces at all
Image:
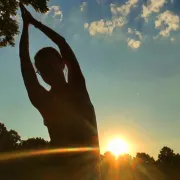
{"x":69,"y":116}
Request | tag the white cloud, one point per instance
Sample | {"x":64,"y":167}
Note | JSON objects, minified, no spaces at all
{"x":123,"y":10}
{"x":134,"y":44}
{"x":153,"y":6}
{"x":83,"y":6}
{"x":104,"y":27}
{"x":86,"y":25}
{"x":101,"y":27}
{"x":56,"y":11}
{"x":167,"y":22}
{"x":119,"y":19}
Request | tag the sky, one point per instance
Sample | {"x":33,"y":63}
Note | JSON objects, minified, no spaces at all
{"x":129,"y":53}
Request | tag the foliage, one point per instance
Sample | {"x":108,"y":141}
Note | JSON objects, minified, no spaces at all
{"x":166,"y":156}
{"x":33,"y":143}
{"x":8,"y":139}
{"x":9,"y":21}
{"x":145,"y":158}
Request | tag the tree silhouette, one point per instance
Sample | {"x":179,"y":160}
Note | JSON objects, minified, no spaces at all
{"x":8,"y":18}
{"x":145,"y":158}
{"x":166,"y":156}
{"x":2,"y":130}
{"x":33,"y":143}
{"x":8,"y":139}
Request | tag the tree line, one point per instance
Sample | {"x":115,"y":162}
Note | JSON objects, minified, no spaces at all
{"x":125,"y":167}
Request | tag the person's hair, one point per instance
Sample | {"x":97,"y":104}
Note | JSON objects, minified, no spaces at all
{"x":44,"y":53}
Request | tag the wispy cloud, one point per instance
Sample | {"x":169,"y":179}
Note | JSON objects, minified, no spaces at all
{"x":167,"y":22}
{"x":172,"y":39}
{"x":153,"y":6}
{"x":119,"y":19}
{"x":123,"y":10}
{"x":135,"y":41}
{"x":86,"y":25}
{"x":104,"y":27}
{"x":83,"y":6}
{"x":100,"y":1}
{"x":130,"y":31}
{"x":56,"y":12}
{"x":138,"y":33}
{"x":101,"y":27}
{"x":164,"y":20}
{"x":135,"y":32}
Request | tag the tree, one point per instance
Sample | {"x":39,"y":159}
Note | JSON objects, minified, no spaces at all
{"x":2,"y":130}
{"x":8,"y":21}
{"x":14,"y":138}
{"x":9,"y":140}
{"x":166,"y":156}
{"x":177,"y":160}
{"x":33,"y":143}
{"x":145,"y":158}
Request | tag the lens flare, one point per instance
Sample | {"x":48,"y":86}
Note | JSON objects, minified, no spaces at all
{"x":26,"y":154}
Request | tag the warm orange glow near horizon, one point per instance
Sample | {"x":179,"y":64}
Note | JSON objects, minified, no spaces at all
{"x":118,"y":146}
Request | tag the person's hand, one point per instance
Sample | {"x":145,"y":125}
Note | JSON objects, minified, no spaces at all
{"x":26,"y":16}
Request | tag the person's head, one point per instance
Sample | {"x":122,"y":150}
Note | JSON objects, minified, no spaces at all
{"x":49,"y":64}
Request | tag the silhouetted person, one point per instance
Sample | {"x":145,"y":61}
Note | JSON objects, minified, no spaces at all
{"x":66,"y":108}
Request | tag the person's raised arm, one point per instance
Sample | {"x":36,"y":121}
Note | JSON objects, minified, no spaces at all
{"x":74,"y":72}
{"x":33,"y":87}
{"x":75,"y":75}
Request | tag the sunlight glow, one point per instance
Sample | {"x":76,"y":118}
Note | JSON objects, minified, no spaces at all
{"x":118,"y":146}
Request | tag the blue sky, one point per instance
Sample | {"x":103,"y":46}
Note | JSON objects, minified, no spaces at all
{"x":129,"y":53}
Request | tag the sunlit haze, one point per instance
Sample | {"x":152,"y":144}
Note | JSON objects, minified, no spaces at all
{"x":118,"y":146}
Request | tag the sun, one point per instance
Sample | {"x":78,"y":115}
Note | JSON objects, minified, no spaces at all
{"x":117,"y":146}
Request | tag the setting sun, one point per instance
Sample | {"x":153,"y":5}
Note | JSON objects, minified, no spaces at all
{"x":117,"y":147}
